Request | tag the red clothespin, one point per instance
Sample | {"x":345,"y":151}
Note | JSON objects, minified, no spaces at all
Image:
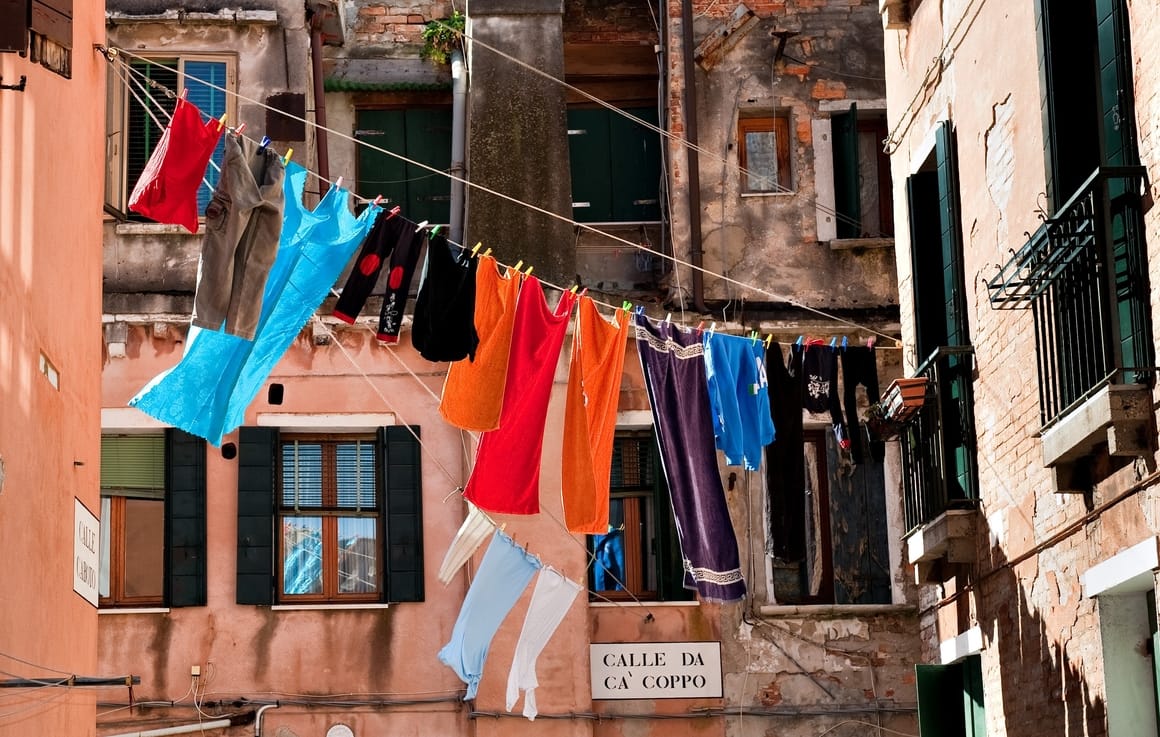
{"x":185,"y":94}
{"x":378,"y":200}
{"x":394,"y":211}
{"x":240,"y":130}
{"x":870,"y":342}
{"x":700,"y":327}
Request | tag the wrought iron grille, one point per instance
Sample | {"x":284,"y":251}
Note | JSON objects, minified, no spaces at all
{"x":938,"y":444}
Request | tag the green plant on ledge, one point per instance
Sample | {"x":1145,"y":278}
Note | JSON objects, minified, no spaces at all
{"x":442,"y":36}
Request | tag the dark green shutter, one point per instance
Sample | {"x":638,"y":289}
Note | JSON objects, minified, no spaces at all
{"x":861,"y":556}
{"x":257,"y":454}
{"x":670,"y":562}
{"x":950,"y":236}
{"x":940,"y":705}
{"x":588,"y":147}
{"x":635,"y":166}
{"x":429,"y":142}
{"x":926,"y":278}
{"x":1115,"y":84}
{"x":847,"y":197}
{"x":402,"y":473}
{"x":185,"y":527}
{"x":378,"y":173}
{"x":974,"y":716}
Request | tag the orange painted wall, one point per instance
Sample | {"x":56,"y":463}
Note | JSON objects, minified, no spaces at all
{"x":51,"y":179}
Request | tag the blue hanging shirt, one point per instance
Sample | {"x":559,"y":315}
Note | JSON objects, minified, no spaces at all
{"x":738,"y":397}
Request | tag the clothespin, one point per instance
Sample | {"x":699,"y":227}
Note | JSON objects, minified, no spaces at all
{"x":712,"y":327}
{"x":185,"y":94}
{"x":583,"y":291}
{"x":519,"y":265}
{"x":844,"y":342}
{"x":801,"y":339}
{"x":240,"y":129}
{"x":753,"y":336}
{"x":487,"y":252}
{"x":265,"y":142}
{"x":529,"y":271}
{"x":700,"y":325}
{"x":627,"y":306}
{"x":870,"y":342}
{"x":640,"y":309}
{"x":378,"y":200}
{"x":421,"y":226}
{"x":394,"y":211}
{"x":286,"y":158}
{"x":574,"y":288}
{"x":476,"y":249}
{"x":222,"y":120}
{"x":337,"y":182}
{"x":669,"y":317}
{"x":834,"y":342}
{"x":768,"y":340}
{"x":436,"y":229}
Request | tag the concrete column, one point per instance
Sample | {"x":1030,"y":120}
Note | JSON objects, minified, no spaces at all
{"x":517,"y":136}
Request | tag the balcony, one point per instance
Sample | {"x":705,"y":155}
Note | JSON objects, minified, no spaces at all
{"x":1083,"y":274}
{"x":939,"y":465}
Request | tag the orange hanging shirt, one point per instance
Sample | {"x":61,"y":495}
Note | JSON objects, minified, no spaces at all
{"x":473,"y":391}
{"x":590,"y":417}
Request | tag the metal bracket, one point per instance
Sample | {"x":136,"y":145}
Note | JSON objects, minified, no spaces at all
{"x":18,"y":87}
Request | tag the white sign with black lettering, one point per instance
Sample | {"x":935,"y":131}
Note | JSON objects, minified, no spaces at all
{"x":86,"y":552}
{"x":656,"y":670}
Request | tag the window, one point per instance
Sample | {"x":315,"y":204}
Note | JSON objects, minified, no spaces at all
{"x":950,"y":699}
{"x":329,"y":519}
{"x":421,"y":134}
{"x":862,"y":186}
{"x":811,"y":565}
{"x":639,"y":557}
{"x":616,"y":165}
{"x":939,"y":449}
{"x":330,"y":515}
{"x":152,"y":520}
{"x":134,"y":129}
{"x":763,"y":144}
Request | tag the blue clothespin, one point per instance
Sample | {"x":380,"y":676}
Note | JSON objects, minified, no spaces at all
{"x":844,"y":342}
{"x":640,"y":310}
{"x":801,"y":339}
{"x":834,"y":342}
{"x":265,"y":142}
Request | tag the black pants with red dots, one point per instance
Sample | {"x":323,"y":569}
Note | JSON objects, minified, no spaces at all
{"x":396,"y":237}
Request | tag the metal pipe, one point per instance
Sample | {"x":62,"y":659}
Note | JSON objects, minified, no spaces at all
{"x":319,"y":96}
{"x":689,"y":103}
{"x":458,"y":143}
{"x":258,"y":718}
{"x":70,"y":681}
{"x":180,"y":729}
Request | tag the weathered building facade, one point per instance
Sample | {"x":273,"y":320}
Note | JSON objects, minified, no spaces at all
{"x":828,"y":633}
{"x":49,"y":376}
{"x":1026,"y":252}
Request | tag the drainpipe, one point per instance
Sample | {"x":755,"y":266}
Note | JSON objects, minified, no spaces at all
{"x":458,"y":138}
{"x":182,"y":729}
{"x":319,"y":95}
{"x":258,"y":718}
{"x":689,"y":102}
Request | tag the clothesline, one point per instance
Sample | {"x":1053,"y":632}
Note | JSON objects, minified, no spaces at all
{"x":112,"y":55}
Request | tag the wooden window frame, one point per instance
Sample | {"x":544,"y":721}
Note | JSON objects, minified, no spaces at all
{"x":118,"y":549}
{"x":330,"y":514}
{"x":777,"y":124}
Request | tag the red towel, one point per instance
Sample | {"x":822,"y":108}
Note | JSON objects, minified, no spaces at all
{"x":506,"y":476}
{"x":167,"y":189}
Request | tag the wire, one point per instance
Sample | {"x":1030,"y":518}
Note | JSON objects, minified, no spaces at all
{"x":38,"y":666}
{"x":530,"y":206}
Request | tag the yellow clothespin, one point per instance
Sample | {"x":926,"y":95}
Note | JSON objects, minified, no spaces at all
{"x":519,"y":265}
{"x":574,"y":288}
{"x":222,"y":121}
{"x":476,"y":249}
{"x":768,"y":340}
{"x":487,"y":252}
{"x":286,"y":158}
{"x":753,"y":336}
{"x":529,"y":271}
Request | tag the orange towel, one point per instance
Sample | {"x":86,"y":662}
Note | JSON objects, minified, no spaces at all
{"x":594,"y":376}
{"x":473,"y":392}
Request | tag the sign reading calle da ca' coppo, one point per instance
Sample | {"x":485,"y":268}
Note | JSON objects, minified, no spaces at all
{"x":656,"y":670}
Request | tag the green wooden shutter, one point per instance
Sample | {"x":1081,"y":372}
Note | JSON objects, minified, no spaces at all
{"x":974,"y":715}
{"x":635,"y":166}
{"x":950,"y":236}
{"x":1115,"y":84}
{"x":926,"y":262}
{"x":379,"y":173}
{"x":861,"y":557}
{"x":588,"y":148}
{"x":185,"y":526}
{"x":847,"y":197}
{"x":940,"y":705}
{"x":403,"y":480}
{"x":257,"y":454}
{"x":428,"y":140}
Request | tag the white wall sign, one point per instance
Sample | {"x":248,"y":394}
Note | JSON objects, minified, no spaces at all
{"x":86,"y":559}
{"x":656,"y":670}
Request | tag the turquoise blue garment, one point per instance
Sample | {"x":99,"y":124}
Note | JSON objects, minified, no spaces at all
{"x":207,"y":393}
{"x":503,"y":575}
{"x":738,"y":397}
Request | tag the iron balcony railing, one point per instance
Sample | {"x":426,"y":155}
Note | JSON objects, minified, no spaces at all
{"x":938,"y":443}
{"x":1084,"y":275}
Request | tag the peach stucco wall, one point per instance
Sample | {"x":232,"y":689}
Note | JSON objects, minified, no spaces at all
{"x":51,"y":175}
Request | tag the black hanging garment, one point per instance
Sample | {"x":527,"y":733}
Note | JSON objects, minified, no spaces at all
{"x":860,"y":366}
{"x":444,"y":322}
{"x":785,"y":469}
{"x":820,"y":384}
